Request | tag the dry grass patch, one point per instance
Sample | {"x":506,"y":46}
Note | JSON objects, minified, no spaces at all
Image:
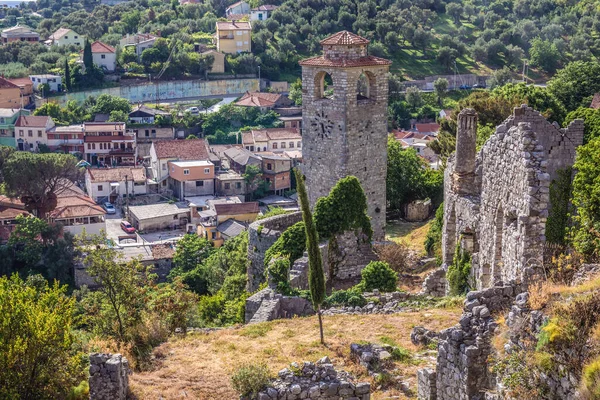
{"x":199,"y":366}
{"x":411,"y":234}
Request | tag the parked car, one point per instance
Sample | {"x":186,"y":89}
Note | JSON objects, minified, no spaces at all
{"x":126,"y":226}
{"x":193,"y":110}
{"x":465,"y":87}
{"x":479,"y":86}
{"x":110,"y":209}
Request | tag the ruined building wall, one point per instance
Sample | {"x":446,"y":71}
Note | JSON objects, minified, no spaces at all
{"x":345,"y":136}
{"x":497,"y":200}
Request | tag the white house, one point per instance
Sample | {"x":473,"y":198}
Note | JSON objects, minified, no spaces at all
{"x":261,"y":13}
{"x":54,"y":81}
{"x":104,"y":56}
{"x":108,"y":184}
{"x":241,"y":7}
{"x":139,"y":41}
{"x":64,"y":37}
{"x":31,"y":131}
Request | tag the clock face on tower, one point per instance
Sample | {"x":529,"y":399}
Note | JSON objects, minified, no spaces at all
{"x":321,"y":125}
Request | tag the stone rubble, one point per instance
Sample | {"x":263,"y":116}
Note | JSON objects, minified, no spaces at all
{"x":315,"y":381}
{"x":109,"y":376}
{"x":421,"y":336}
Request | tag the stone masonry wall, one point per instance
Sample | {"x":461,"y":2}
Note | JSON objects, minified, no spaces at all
{"x":462,"y":371}
{"x":258,"y":243}
{"x":315,"y":381}
{"x":499,"y":209}
{"x":108,"y":376}
{"x":344,"y":135}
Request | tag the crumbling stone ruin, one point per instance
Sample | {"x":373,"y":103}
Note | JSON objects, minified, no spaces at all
{"x":267,"y":305}
{"x":462,"y":371}
{"x":496,"y":201}
{"x":109,"y":376}
{"x":261,"y":235}
{"x":345,"y":132}
{"x":315,"y":381}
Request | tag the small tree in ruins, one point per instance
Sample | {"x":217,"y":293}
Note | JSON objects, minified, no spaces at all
{"x":316,"y":277}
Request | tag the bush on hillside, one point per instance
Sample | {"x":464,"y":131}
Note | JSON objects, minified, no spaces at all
{"x":249,"y":379}
{"x":378,"y":275}
{"x":459,"y":273}
{"x":398,"y":256}
{"x":345,"y":298}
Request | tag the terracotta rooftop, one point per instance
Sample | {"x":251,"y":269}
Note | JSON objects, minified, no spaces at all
{"x":345,"y":62}
{"x":99,"y":47}
{"x":192,"y":149}
{"x":262,"y":135}
{"x":595,"y":102}
{"x":233,"y":25}
{"x":21,"y":81}
{"x":11,"y":208}
{"x":236,"y":208}
{"x":266,"y":7}
{"x":425,"y":128}
{"x":30,"y":120}
{"x":59,"y":33}
{"x":236,"y":17}
{"x":344,"y":38}
{"x":258,"y":99}
{"x":76,"y":207}
{"x":118,"y":174}
{"x":6,"y":84}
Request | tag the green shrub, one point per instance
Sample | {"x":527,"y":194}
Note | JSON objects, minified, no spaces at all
{"x":401,"y":354}
{"x":277,"y":272}
{"x":291,"y":243}
{"x":591,"y":378}
{"x":79,"y":392}
{"x":210,"y":308}
{"x":378,"y":275}
{"x":271,"y":212}
{"x":459,"y":272}
{"x":345,"y":298}
{"x":433,"y":240}
{"x":249,"y":379}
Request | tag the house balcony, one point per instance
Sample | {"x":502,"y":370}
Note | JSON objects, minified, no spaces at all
{"x":122,"y":152}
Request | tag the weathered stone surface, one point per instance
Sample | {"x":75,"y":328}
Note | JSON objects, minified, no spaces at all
{"x":496,"y":201}
{"x":267,"y":305}
{"x":109,"y":376}
{"x":421,"y":336}
{"x":318,"y":381}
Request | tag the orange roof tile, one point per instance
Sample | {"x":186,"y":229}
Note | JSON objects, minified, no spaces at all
{"x":236,"y":208}
{"x":367,"y":61}
{"x":30,"y":120}
{"x":99,"y":47}
{"x":76,"y":207}
{"x":193,"y":149}
{"x":117,"y":174}
{"x":6,"y":84}
{"x":344,"y":38}
{"x":429,"y":127}
{"x":258,"y":99}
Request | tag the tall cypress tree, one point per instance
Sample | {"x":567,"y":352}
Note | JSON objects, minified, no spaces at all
{"x":88,"y":60}
{"x":316,"y":277}
{"x":67,"y":75}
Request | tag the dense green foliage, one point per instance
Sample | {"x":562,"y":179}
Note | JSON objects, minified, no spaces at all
{"x":410,"y":178}
{"x":291,"y":244}
{"x":271,"y":212}
{"x":560,"y":202}
{"x":35,"y":247}
{"x":316,"y":277}
{"x":190,"y":254}
{"x":378,"y":275}
{"x":38,"y":359}
{"x":223,"y":126}
{"x":459,"y":272}
{"x":591,"y":119}
{"x":344,"y":209}
{"x":586,"y":197}
{"x":575,"y":84}
{"x":433,"y":240}
{"x":352,"y":297}
{"x":277,"y":273}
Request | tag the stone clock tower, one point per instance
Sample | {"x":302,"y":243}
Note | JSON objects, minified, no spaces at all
{"x":344,"y":120}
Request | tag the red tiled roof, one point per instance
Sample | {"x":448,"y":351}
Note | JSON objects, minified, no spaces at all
{"x":595,"y":102}
{"x":262,"y":135}
{"x":117,"y":174}
{"x":265,"y":7}
{"x":236,"y":17}
{"x":34,"y":121}
{"x":430,"y":127}
{"x":236,"y":208}
{"x":11,"y":208}
{"x":345,"y":62}
{"x":99,"y":47}
{"x":76,"y":207}
{"x":233,"y":25}
{"x":6,"y":84}
{"x":258,"y":99}
{"x":21,"y":81}
{"x":192,"y":149}
{"x":344,"y":38}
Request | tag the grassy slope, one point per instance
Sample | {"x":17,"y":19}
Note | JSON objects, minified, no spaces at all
{"x":411,"y":234}
{"x":199,"y":366}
